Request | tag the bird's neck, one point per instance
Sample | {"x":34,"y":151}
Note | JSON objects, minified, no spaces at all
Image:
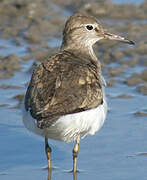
{"x":83,"y":52}
{"x":80,"y":49}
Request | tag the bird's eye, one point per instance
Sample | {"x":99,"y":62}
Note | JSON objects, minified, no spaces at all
{"x":89,"y":27}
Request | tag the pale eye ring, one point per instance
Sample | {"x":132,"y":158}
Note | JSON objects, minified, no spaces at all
{"x":89,"y":27}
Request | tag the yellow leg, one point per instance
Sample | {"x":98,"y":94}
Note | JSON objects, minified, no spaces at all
{"x":75,"y":154}
{"x":48,"y":151}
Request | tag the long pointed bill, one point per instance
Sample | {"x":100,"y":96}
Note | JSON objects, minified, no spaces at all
{"x":110,"y":36}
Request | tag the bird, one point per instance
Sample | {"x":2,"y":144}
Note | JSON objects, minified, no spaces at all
{"x":65,"y":98}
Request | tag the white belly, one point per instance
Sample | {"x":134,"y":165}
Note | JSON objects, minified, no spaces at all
{"x":68,"y":127}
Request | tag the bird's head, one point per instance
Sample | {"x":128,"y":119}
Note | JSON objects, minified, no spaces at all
{"x":83,"y":30}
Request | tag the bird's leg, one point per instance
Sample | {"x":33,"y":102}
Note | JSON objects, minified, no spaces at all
{"x":48,"y":151}
{"x":75,"y":154}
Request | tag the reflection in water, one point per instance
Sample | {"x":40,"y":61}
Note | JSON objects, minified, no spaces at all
{"x":50,"y":173}
{"x":74,"y":176}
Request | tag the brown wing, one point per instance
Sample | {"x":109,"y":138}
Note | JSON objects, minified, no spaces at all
{"x":60,"y":86}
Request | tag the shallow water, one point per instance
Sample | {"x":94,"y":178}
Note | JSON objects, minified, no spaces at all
{"x":113,"y":153}
{"x":137,"y":2}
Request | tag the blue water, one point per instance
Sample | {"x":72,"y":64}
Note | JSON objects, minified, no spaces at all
{"x":137,"y":2}
{"x":108,"y":155}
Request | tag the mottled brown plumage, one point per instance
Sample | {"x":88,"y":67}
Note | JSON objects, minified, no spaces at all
{"x":63,"y":84}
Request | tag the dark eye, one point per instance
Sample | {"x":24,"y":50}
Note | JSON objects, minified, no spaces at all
{"x":89,"y":27}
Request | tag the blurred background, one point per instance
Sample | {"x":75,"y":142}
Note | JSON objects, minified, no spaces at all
{"x":30,"y":31}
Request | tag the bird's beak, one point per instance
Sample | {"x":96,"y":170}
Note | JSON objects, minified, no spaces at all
{"x":110,"y":36}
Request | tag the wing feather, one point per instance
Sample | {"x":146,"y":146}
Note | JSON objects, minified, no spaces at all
{"x":61,"y":86}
